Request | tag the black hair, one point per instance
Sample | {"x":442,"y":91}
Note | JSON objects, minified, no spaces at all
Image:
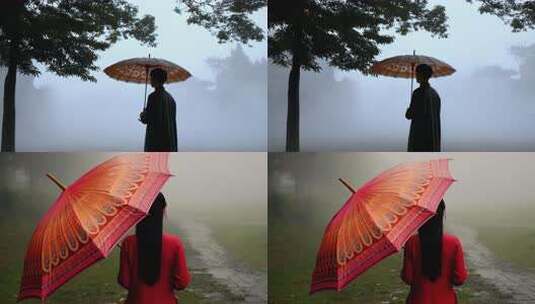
{"x":431,"y":234}
{"x":425,"y":70}
{"x":159,"y":74}
{"x":149,"y":242}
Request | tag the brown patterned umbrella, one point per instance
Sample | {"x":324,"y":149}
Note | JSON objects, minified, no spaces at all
{"x":137,"y":70}
{"x":403,"y":66}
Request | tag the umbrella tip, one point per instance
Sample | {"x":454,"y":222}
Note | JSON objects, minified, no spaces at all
{"x":56,"y":181}
{"x":347,"y":184}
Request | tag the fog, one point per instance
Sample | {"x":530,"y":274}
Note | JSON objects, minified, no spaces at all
{"x":221,"y":108}
{"x":489,"y":186}
{"x":488,"y":105}
{"x":203,"y":183}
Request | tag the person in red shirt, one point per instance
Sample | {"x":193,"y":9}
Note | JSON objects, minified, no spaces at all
{"x":433,"y":263}
{"x":153,"y":264}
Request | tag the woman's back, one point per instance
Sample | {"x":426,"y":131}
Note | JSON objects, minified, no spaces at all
{"x":174,"y":274}
{"x":453,"y":272}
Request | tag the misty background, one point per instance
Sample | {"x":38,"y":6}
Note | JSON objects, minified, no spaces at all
{"x":491,"y":187}
{"x":202,"y":182}
{"x":487,"y":105}
{"x":222,"y":107}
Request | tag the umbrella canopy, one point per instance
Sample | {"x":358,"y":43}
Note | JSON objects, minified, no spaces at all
{"x":403,"y":66}
{"x":137,"y":70}
{"x":89,"y":218}
{"x":377,"y":220}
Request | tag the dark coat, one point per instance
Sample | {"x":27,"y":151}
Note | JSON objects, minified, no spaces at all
{"x":160,"y":118}
{"x":424,"y":113}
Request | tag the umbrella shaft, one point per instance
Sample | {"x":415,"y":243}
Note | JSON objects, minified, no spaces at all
{"x":146,"y":83}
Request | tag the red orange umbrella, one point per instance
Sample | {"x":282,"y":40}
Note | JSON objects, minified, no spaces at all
{"x":89,"y":218}
{"x":377,"y":220}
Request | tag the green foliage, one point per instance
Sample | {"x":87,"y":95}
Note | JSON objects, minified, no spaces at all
{"x":519,"y":14}
{"x":65,"y":35}
{"x":345,"y":34}
{"x":228,"y":20}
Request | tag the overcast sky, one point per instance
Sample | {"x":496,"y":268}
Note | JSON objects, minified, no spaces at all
{"x":67,"y":114}
{"x":349,"y":111}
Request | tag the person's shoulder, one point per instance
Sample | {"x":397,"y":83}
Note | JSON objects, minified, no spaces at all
{"x":169,"y":96}
{"x":418,"y":90}
{"x":433,"y":90}
{"x":172,"y":239}
{"x":451,"y":239}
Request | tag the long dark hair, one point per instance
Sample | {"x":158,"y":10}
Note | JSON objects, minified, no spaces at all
{"x":149,"y":242}
{"x":431,"y":244}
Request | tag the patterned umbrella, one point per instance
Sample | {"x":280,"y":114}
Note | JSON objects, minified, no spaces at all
{"x":89,"y":218}
{"x":404,"y":66}
{"x":377,"y":220}
{"x":137,"y":70}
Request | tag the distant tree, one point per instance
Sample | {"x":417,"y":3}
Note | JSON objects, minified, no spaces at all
{"x":344,"y":33}
{"x":64,"y":36}
{"x":526,"y":57}
{"x":228,"y":20}
{"x":518,"y":14}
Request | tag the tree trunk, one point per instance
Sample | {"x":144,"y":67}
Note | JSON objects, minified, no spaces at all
{"x":292,"y":122}
{"x":8,"y":120}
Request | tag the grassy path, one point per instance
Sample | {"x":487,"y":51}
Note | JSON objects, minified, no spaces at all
{"x":516,"y":285}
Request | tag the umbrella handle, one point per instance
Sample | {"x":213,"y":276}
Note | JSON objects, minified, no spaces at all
{"x":412,"y":81}
{"x":412,"y":75}
{"x":146,"y":82}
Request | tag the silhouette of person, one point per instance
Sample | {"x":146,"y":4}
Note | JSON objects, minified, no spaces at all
{"x":160,"y":116}
{"x":424,"y":113}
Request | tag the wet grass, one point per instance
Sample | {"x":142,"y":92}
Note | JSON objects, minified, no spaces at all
{"x":508,"y":232}
{"x":246,"y":242}
{"x":513,"y":244}
{"x":243,"y":233}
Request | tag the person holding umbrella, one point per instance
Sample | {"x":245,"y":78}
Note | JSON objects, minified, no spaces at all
{"x":424,"y":113}
{"x":159,"y":113}
{"x":424,"y":109}
{"x":433,"y":263}
{"x":160,"y":116}
{"x":153,"y":263}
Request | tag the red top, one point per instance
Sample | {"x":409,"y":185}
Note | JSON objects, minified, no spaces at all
{"x":441,"y":291}
{"x":174,"y":272}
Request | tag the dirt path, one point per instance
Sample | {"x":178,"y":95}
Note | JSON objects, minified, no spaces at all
{"x":246,"y":285}
{"x":517,"y":284}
